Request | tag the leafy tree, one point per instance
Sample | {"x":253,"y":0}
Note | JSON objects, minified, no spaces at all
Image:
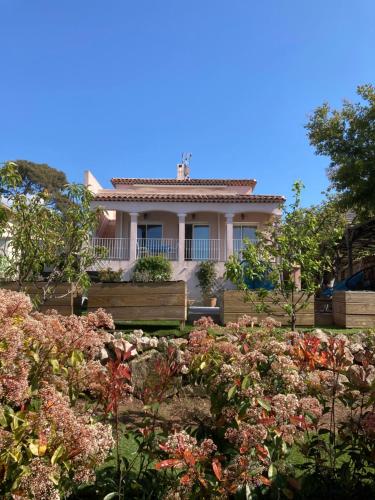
{"x":347,"y":136}
{"x":45,"y":239}
{"x":39,"y":177}
{"x":75,"y":226}
{"x":304,"y":239}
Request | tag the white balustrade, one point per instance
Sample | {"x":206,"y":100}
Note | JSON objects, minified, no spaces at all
{"x":167,"y":247}
{"x":115,"y":248}
{"x":202,"y":249}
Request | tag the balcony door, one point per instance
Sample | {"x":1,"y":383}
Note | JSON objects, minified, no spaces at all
{"x":149,"y":239}
{"x":242,"y":232}
{"x":197,"y":237}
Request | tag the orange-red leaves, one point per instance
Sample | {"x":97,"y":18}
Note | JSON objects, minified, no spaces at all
{"x":216,"y":467}
{"x":175,"y":463}
{"x":189,"y":458}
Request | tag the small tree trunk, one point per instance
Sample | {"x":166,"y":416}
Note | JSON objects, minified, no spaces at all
{"x":294,"y":320}
{"x":71,"y":300}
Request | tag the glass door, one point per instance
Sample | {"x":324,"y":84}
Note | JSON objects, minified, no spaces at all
{"x":201,"y":242}
{"x":242,"y":232}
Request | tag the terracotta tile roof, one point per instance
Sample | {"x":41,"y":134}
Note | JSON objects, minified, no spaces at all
{"x":185,"y":182}
{"x":203,"y":198}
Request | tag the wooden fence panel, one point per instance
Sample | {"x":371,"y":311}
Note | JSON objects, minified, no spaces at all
{"x":323,"y":311}
{"x":354,"y":309}
{"x":234,"y":306}
{"x":140,"y":301}
{"x":61,"y":301}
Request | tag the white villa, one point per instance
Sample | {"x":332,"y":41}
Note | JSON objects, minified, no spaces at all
{"x":186,"y":220}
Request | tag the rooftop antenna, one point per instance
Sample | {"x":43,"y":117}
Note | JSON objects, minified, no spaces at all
{"x":185,"y":161}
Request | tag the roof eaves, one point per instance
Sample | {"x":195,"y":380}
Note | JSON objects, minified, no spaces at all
{"x":184,"y":182}
{"x":202,"y":198}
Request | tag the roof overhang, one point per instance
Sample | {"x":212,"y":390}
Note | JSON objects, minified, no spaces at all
{"x":186,"y":207}
{"x":183,"y":182}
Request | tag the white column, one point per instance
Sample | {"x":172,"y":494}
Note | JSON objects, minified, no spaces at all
{"x":118,"y":226}
{"x":229,"y":218}
{"x":181,"y":237}
{"x":133,"y":236}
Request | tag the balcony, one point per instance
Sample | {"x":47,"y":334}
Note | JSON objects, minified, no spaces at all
{"x":195,"y":249}
{"x":167,"y":247}
{"x":203,"y":249}
{"x":115,"y":248}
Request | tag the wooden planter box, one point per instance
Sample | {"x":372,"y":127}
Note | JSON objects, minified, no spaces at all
{"x":323,"y":312}
{"x":140,"y":301}
{"x":233,"y":307}
{"x":61,"y":302}
{"x":354,"y":309}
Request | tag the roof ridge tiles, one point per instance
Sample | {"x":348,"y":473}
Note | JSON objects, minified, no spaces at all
{"x":107,"y":195}
{"x":160,"y":181}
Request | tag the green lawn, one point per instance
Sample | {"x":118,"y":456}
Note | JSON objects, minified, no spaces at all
{"x":155,"y":328}
{"x":172,"y":328}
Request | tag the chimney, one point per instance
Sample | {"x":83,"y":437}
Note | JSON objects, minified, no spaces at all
{"x":180,"y":171}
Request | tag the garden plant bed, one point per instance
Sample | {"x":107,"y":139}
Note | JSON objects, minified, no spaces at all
{"x":140,"y":301}
{"x":189,"y":417}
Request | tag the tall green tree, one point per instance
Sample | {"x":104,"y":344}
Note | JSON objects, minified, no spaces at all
{"x":44,"y":240}
{"x":347,"y":137}
{"x":304,"y":239}
{"x":39,"y":177}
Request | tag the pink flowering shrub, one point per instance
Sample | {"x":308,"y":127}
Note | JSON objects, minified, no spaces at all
{"x":50,"y":436}
{"x":271,"y":394}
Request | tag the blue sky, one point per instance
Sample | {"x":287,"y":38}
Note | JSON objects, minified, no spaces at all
{"x":123,"y":87}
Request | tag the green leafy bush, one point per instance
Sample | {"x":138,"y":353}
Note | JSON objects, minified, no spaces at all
{"x":151,"y":269}
{"x":108,"y":275}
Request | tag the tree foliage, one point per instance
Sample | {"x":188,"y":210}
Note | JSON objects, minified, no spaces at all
{"x":304,"y":239}
{"x":347,"y":137}
{"x":39,"y":177}
{"x":45,"y":239}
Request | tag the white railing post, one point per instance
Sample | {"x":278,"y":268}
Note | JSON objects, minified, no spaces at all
{"x":181,"y":237}
{"x":116,"y":248}
{"x":133,"y":236}
{"x":229,"y":246}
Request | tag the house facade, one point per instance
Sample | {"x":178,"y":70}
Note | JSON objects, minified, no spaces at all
{"x":187,"y":220}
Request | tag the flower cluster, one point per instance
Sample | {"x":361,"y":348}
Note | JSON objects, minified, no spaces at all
{"x":49,"y":436}
{"x":269,"y":393}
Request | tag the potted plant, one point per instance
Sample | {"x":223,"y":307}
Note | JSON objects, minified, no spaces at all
{"x":207,"y":277}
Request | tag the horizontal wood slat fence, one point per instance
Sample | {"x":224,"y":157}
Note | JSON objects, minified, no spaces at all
{"x":323,"y":311}
{"x":141,"y":301}
{"x":61,"y":301}
{"x":168,"y":301}
{"x":234,"y":306}
{"x":354,"y":309}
